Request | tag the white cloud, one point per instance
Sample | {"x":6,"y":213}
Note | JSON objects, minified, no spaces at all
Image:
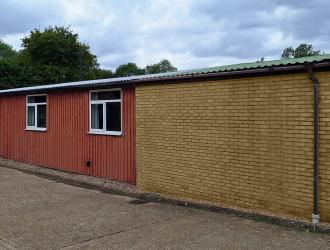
{"x":14,"y":39}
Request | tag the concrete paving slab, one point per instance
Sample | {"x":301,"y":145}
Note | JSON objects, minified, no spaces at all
{"x":38,"y":213}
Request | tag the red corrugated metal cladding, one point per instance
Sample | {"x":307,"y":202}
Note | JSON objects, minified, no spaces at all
{"x":66,"y":145}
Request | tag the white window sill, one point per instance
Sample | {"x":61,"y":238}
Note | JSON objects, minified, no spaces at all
{"x":115,"y":133}
{"x":36,"y":129}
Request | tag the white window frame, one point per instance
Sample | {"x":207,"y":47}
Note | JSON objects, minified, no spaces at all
{"x":104,"y":102}
{"x":35,"y":105}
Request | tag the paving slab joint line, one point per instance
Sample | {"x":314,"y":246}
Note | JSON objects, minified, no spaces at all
{"x":113,"y":233}
{"x":158,"y":198}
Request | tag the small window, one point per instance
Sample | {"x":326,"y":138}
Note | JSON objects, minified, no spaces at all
{"x":105,"y":112}
{"x":36,"y":112}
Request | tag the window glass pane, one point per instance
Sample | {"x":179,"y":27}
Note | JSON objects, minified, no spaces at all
{"x":105,"y":95}
{"x":41,"y":116}
{"x":97,"y":116}
{"x":31,"y":116}
{"x":113,"y":116}
{"x":37,"y":99}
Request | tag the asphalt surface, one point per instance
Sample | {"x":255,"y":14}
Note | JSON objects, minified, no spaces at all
{"x":37,"y":213}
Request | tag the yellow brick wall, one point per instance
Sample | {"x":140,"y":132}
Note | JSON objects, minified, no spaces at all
{"x":246,"y":142}
{"x":324,"y":157}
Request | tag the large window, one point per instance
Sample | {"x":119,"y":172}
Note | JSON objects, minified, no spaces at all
{"x":105,"y":112}
{"x":36,"y":112}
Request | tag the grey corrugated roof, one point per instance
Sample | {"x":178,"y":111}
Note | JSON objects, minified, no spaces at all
{"x":226,"y":68}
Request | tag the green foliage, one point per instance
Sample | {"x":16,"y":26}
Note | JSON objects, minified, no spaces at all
{"x":8,"y":74}
{"x":58,"y":46}
{"x":161,"y":67}
{"x":102,"y":73}
{"x":128,"y":69}
{"x":14,"y":74}
{"x":55,"y":55}
{"x":131,"y":69}
{"x":301,"y":51}
{"x":6,"y":51}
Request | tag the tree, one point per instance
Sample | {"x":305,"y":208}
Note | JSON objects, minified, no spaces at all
{"x":15,"y":74}
{"x":53,"y":55}
{"x":301,"y":51}
{"x":103,"y":73}
{"x":6,"y":51}
{"x":128,"y":69}
{"x":161,"y":67}
{"x":262,"y":59}
{"x":58,"y":46}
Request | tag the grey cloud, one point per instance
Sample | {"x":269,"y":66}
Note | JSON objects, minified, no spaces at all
{"x":188,"y":32}
{"x":20,"y":17}
{"x":249,"y":24}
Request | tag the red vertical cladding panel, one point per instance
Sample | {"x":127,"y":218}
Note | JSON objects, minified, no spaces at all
{"x":67,"y":145}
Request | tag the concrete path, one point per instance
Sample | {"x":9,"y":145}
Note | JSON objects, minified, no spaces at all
{"x":37,"y":213}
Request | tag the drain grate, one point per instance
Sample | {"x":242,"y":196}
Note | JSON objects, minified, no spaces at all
{"x":138,"y":202}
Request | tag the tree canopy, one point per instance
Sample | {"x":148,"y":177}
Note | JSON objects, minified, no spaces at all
{"x":131,"y":69}
{"x":301,"y":51}
{"x":6,"y":51}
{"x":161,"y":67}
{"x":55,"y":55}
{"x":128,"y":69}
{"x":52,"y":55}
{"x":58,"y":46}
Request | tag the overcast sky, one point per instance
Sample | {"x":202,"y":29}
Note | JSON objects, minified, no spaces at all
{"x":190,"y":33}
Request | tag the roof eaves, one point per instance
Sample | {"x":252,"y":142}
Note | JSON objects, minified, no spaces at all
{"x":243,"y":69}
